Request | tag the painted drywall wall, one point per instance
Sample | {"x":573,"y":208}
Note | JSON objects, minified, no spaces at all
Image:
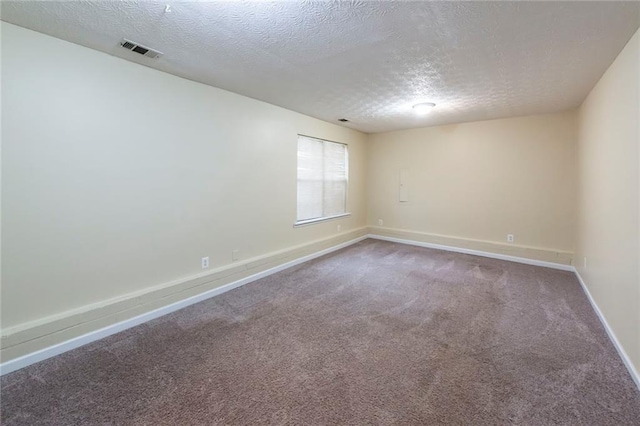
{"x":471,"y":184}
{"x":117,"y":178}
{"x":608,"y":231}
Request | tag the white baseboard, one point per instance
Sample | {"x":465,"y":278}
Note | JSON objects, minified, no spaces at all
{"x":475,"y":252}
{"x":623,"y":355}
{"x":41,"y":355}
{"x":34,"y":357}
{"x":612,"y":336}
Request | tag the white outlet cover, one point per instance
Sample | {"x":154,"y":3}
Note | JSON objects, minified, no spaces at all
{"x":510,"y":238}
{"x":380,"y":222}
{"x":205,"y":262}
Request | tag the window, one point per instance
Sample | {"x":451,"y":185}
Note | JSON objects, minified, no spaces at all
{"x":323,"y":175}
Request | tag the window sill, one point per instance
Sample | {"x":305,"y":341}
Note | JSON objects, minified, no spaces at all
{"x":319,"y":219}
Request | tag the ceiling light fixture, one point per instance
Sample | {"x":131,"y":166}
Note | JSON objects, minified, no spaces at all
{"x":423,"y":108}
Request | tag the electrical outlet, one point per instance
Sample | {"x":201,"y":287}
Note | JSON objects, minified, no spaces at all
{"x":509,"y":238}
{"x":339,"y":228}
{"x":235,"y":255}
{"x":380,"y":222}
{"x":205,"y":262}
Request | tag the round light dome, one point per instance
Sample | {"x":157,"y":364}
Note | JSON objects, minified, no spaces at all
{"x":423,"y":108}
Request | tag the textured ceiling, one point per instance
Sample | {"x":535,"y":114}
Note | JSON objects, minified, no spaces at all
{"x":365,"y":61}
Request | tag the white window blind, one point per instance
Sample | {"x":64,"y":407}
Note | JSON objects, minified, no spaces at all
{"x":323,"y":175}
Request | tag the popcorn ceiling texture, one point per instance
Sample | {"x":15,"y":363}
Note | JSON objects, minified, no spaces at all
{"x":365,"y":61}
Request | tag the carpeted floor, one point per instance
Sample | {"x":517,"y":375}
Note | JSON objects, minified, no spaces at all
{"x":377,"y":333}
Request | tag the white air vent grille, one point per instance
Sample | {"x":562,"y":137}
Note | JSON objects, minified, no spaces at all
{"x":138,"y":48}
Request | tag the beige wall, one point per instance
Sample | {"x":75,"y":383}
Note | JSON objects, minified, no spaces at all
{"x":608,"y":234}
{"x":117,"y":178}
{"x":479,"y":182}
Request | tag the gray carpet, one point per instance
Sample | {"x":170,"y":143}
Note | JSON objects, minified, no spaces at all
{"x":377,"y":333}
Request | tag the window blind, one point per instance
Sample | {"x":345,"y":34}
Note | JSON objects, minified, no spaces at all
{"x":322,"y":178}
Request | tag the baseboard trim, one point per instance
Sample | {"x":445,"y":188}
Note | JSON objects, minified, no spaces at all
{"x":612,"y":336}
{"x":616,"y":343}
{"x":57,"y":349}
{"x":76,"y":342}
{"x":475,"y":252}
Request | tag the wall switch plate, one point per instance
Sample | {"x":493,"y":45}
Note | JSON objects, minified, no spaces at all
{"x":509,"y":238}
{"x":380,"y":222}
{"x":235,"y":255}
{"x":205,"y":262}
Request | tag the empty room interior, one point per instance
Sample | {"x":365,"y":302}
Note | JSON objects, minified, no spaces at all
{"x":320,"y":213}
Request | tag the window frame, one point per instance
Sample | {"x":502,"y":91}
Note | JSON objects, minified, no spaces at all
{"x":306,"y":222}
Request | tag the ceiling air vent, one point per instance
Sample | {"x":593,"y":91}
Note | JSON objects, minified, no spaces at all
{"x":138,"y":48}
